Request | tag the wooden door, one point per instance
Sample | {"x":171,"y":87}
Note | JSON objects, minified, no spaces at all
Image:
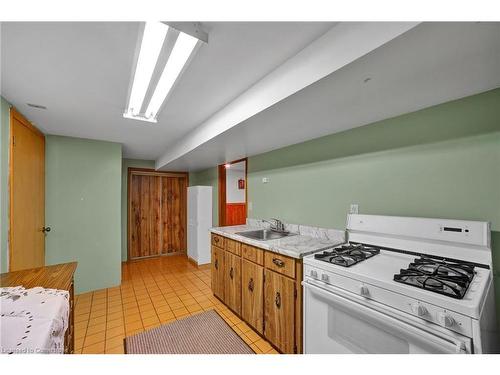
{"x":252,"y":294}
{"x":232,"y":281}
{"x":174,"y":198}
{"x":279,"y":307}
{"x":157,"y":212}
{"x":154,"y":216}
{"x":217,"y":272}
{"x":27,"y":194}
{"x":145,"y":216}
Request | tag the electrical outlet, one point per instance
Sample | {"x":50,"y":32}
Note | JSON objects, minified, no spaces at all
{"x":354,"y":208}
{"x":265,"y":180}
{"x":250,"y":206}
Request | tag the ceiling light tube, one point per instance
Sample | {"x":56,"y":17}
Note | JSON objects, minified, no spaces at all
{"x":183,"y":48}
{"x":152,"y":42}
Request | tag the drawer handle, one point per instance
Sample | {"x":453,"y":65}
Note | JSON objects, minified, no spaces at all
{"x":278,"y":262}
{"x":216,"y":239}
{"x":250,"y":285}
{"x":277,"y":300}
{"x":231,"y":273}
{"x":216,"y":264}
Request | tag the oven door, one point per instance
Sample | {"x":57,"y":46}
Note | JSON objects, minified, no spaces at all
{"x":336,"y":321}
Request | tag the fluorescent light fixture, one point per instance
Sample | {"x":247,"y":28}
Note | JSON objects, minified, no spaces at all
{"x":139,"y":117}
{"x":183,"y":47}
{"x":152,"y":42}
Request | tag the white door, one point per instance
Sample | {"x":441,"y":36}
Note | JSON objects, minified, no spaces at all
{"x":336,"y":324}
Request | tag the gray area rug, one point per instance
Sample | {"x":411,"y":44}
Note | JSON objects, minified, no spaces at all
{"x":204,"y":333}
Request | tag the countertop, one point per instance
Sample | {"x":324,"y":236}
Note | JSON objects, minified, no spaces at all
{"x":297,"y":246}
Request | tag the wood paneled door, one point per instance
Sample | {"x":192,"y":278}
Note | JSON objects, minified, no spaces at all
{"x":217,"y":272}
{"x":232,"y":284}
{"x":279,"y":311}
{"x":236,"y":213}
{"x":27,"y":194}
{"x":157,"y":204}
{"x":252,"y":294}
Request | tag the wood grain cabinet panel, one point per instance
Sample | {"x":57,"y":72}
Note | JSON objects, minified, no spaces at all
{"x":218,"y":241}
{"x":279,"y":311}
{"x":217,"y":271}
{"x":280,"y":263}
{"x":233,"y":246}
{"x":252,"y":253}
{"x":252,"y":294}
{"x":232,"y":282}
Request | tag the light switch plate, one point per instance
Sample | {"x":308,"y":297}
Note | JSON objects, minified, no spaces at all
{"x":354,"y":208}
{"x":265,"y":180}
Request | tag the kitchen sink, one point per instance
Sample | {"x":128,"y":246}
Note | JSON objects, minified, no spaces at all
{"x":265,"y":234}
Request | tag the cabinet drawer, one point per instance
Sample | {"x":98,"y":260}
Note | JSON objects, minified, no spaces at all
{"x":233,"y":246}
{"x":253,"y":254}
{"x":218,"y":241}
{"x":280,"y":263}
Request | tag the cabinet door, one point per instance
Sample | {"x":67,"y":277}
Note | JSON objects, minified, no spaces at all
{"x":232,"y":282}
{"x":252,"y":294}
{"x":279,"y":311}
{"x":218,"y":272}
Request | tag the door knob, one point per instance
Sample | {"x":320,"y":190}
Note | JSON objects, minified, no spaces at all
{"x":45,"y":229}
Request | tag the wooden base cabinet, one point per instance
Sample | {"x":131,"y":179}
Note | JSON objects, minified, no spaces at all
{"x":252,"y":294}
{"x":217,"y":270}
{"x":263,"y":288}
{"x":232,"y":283}
{"x":279,"y":311}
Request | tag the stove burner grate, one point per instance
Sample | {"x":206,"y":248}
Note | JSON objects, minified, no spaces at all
{"x":448,"y":278}
{"x":348,"y":255}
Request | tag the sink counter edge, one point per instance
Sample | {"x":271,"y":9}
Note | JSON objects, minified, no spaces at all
{"x":296,"y":246}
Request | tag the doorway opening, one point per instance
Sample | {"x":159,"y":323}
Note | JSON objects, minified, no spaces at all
{"x":233,"y":193}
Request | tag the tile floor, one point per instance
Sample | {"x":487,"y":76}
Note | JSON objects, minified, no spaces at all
{"x":153,"y":292}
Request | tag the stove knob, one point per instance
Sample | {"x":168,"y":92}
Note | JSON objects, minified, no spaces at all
{"x":363,"y":290}
{"x":314,"y":274}
{"x":418,"y":310}
{"x":446,"y":320}
{"x":324,"y":277}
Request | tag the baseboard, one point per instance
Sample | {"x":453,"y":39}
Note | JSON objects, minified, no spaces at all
{"x":191,"y":260}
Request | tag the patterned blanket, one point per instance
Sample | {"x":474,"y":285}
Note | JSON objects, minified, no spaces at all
{"x":33,"y":320}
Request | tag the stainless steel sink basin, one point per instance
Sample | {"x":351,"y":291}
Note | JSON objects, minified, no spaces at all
{"x":265,"y":234}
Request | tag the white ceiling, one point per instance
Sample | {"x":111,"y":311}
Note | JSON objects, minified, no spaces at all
{"x":81,"y":73}
{"x":430,"y":64}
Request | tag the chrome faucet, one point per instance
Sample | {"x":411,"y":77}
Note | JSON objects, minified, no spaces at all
{"x":276,"y":224}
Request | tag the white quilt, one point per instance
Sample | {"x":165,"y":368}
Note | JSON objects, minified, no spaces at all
{"x":33,"y":320}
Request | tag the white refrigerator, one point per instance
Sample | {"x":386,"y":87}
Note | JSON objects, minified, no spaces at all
{"x":199,"y":223}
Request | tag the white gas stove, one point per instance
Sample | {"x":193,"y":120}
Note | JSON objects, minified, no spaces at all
{"x":402,"y":285}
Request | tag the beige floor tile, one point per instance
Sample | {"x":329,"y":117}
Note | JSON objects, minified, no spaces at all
{"x":94,"y":338}
{"x":115,"y":331}
{"x":115,"y":323}
{"x":97,"y":348}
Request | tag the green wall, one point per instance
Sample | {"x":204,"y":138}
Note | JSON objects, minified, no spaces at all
{"x":443,"y":161}
{"x":4,"y":175}
{"x":83,"y":208}
{"x":126,"y":163}
{"x":208,"y":177}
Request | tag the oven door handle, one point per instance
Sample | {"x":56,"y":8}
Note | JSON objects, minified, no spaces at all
{"x":452,"y":344}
